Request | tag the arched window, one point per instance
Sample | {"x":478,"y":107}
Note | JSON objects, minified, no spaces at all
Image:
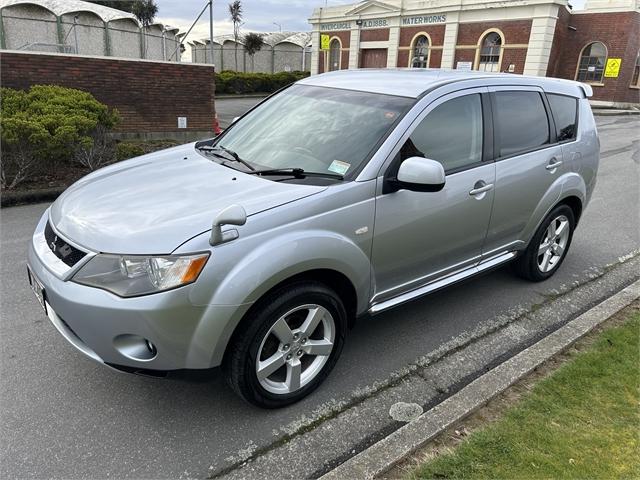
{"x":592,"y":62}
{"x":635,"y":80}
{"x":490,"y":49}
{"x":334,"y":55}
{"x":420,"y":52}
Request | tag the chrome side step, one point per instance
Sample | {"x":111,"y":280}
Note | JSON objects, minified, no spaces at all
{"x":439,"y":284}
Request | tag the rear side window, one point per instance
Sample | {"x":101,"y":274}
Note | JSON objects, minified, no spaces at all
{"x":522,"y":122}
{"x":451,"y":134}
{"x":565,"y":114}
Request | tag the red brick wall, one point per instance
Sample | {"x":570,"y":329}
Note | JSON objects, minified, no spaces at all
{"x":515,"y":31}
{"x":464,"y":55}
{"x":436,"y":32}
{"x":345,"y":38}
{"x":149,"y":95}
{"x":560,"y":38}
{"x":620,"y":32}
{"x":516,"y":57}
{"x":375,"y":35}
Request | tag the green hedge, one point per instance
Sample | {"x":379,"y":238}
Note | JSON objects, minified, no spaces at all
{"x":228,"y":82}
{"x":134,"y":148}
{"x":49,"y":124}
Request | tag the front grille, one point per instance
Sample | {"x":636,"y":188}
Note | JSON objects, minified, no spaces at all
{"x":61,"y":249}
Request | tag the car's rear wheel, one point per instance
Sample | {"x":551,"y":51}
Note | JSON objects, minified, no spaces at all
{"x":287,"y":345}
{"x":548,"y":247}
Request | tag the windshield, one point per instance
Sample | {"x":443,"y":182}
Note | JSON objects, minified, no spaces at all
{"x":317,"y":129}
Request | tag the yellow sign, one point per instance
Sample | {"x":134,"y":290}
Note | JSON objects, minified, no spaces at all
{"x":324,"y":42}
{"x":613,"y":67}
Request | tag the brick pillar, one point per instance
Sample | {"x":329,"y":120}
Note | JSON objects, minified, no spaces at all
{"x":543,"y":28}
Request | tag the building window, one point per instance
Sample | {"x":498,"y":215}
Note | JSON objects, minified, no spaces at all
{"x":635,"y":80}
{"x":592,"y":62}
{"x":490,"y":49}
{"x":335,"y":52}
{"x":420,"y":52}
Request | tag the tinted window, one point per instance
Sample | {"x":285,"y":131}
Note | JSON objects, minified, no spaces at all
{"x":450,"y":134}
{"x":522,"y":122}
{"x":565,"y":114}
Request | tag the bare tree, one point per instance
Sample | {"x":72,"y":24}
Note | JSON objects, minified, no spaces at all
{"x":235,"y":12}
{"x":252,"y":45}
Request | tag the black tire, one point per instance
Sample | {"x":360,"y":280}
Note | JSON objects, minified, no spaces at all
{"x":526,"y":265}
{"x":240,"y":363}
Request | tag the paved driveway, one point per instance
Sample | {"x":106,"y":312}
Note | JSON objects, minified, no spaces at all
{"x":62,"y":416}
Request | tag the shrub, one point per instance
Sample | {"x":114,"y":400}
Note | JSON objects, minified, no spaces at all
{"x":48,"y":124}
{"x":241,"y":83}
{"x":134,"y":148}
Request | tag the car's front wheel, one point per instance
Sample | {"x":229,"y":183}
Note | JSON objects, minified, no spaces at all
{"x":548,"y":247}
{"x":288,"y":345}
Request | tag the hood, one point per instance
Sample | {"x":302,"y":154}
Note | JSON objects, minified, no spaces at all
{"x":154,"y":203}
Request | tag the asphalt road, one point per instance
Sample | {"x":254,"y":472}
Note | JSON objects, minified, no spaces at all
{"x":63,"y":416}
{"x":230,"y":108}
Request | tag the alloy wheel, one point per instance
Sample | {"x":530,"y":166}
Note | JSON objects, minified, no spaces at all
{"x":554,"y":243}
{"x":295,"y":349}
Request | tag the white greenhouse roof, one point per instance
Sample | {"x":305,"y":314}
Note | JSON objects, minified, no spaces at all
{"x":61,"y":7}
{"x":302,"y":39}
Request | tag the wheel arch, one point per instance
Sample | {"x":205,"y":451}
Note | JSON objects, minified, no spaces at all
{"x":332,"y":279}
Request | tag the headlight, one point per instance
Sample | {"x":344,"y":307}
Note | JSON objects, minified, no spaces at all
{"x":133,"y":275}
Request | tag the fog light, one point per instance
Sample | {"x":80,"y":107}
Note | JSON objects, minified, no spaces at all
{"x":135,"y":347}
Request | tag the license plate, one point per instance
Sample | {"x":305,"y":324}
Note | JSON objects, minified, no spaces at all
{"x":37,"y":288}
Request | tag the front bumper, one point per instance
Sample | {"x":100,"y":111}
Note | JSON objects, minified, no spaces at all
{"x":95,"y":322}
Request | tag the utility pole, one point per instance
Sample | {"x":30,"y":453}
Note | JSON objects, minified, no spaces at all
{"x":278,"y":25}
{"x":211,"y":29}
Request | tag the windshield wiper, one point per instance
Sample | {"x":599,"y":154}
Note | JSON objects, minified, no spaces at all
{"x":294,"y":172}
{"x":230,"y":153}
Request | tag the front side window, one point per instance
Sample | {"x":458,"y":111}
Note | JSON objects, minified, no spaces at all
{"x":420,"y":52}
{"x":592,"y":62}
{"x":325,"y":130}
{"x":452,"y":134}
{"x":490,"y":53}
{"x":334,"y":55}
{"x":565,"y":115}
{"x":522,"y":122}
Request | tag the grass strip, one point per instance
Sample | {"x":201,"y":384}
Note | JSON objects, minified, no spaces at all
{"x":583,"y":421}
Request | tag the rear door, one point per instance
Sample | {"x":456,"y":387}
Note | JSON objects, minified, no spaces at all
{"x":528,"y":162}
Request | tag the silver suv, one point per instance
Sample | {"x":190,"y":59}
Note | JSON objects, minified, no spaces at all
{"x":342,"y":196}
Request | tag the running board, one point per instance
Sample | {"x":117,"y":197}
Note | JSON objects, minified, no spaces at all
{"x":445,"y":282}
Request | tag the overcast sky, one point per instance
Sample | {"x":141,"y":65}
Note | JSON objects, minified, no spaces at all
{"x":259,"y":15}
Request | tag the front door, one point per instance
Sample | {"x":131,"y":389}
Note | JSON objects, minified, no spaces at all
{"x":419,"y":236}
{"x":373,"y":58}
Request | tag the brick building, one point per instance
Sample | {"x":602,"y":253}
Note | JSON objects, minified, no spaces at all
{"x":599,"y":45}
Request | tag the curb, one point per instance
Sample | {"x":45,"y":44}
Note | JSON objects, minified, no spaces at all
{"x":12,"y":199}
{"x":614,"y":113}
{"x":382,"y":456}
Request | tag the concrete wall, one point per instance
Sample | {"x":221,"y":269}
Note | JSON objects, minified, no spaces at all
{"x":150,"y":96}
{"x":282,"y":57}
{"x":26,"y":24}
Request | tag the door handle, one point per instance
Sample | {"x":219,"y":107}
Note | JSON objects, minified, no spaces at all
{"x":554,"y":165}
{"x":481,"y":190}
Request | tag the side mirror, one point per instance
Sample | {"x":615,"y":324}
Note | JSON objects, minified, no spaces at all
{"x":233,"y":215}
{"x":419,"y":175}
